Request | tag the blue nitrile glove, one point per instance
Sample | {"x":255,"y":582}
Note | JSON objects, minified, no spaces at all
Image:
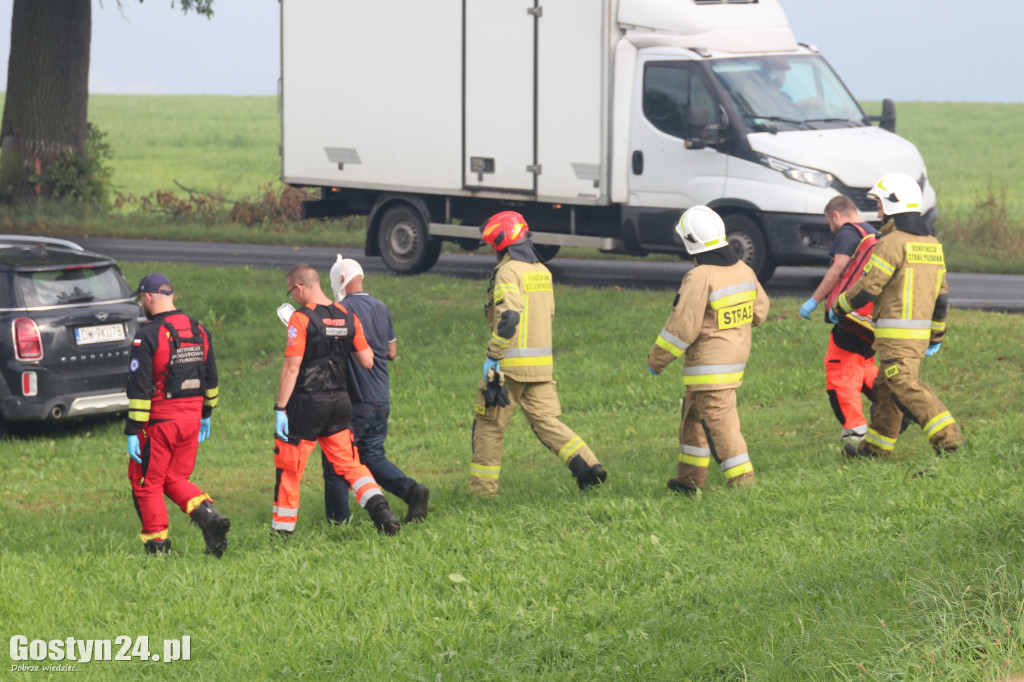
{"x":489,"y":364}
{"x":134,"y":451}
{"x":657,"y":374}
{"x":933,"y":348}
{"x":281,"y":424}
{"x":832,"y":317}
{"x":808,"y":307}
{"x":204,"y":429}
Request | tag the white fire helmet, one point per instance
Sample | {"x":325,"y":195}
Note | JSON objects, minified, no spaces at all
{"x":898,"y":193}
{"x":701,"y":229}
{"x":343,"y":271}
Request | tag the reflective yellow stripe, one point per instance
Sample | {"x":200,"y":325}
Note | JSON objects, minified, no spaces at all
{"x":500,"y":341}
{"x":570,"y":448}
{"x":878,"y":440}
{"x":938,"y":326}
{"x":527,"y":362}
{"x":844,"y":305}
{"x":524,"y":322}
{"x":703,"y":379}
{"x":139,"y":404}
{"x":660,"y":342}
{"x":191,"y":505}
{"x":484,"y":471}
{"x":908,"y":294}
{"x":744,"y":468}
{"x":937,"y":423}
{"x":693,"y":460}
{"x":891,"y":333}
{"x":733,"y":299}
{"x":159,"y":535}
{"x":881,"y":264}
{"x":138,"y":415}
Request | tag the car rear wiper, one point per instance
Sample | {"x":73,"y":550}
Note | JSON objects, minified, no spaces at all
{"x":76,"y":298}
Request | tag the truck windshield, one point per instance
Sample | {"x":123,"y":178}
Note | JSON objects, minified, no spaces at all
{"x":798,"y":92}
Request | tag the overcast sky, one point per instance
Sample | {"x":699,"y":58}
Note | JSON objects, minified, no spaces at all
{"x":934,"y":50}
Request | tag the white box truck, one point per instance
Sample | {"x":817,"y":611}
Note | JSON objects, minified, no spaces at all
{"x":598,"y":120}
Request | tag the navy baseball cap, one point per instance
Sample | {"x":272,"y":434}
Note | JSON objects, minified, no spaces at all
{"x":154,"y":283}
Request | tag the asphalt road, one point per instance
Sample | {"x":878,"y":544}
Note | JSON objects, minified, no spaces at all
{"x":966,"y":290}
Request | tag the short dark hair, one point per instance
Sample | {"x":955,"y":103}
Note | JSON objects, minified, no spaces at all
{"x":841,"y":203}
{"x":303,"y":274}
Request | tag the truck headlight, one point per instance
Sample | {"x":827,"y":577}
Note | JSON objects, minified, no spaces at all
{"x":802,"y":174}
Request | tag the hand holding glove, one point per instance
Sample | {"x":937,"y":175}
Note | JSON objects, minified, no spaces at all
{"x":134,"y":451}
{"x":495,"y":392}
{"x":933,"y":348}
{"x":808,"y":307}
{"x":489,"y":365}
{"x":281,"y":424}
{"x":204,"y":429}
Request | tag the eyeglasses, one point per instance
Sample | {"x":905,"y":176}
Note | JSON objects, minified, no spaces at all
{"x":289,"y":294}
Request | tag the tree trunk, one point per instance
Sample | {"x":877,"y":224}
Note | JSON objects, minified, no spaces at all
{"x":47,"y":103}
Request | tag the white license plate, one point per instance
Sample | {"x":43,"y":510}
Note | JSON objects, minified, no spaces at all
{"x":101,"y":334}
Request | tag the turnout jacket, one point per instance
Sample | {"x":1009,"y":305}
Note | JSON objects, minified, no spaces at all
{"x":710,"y":322}
{"x":158,"y":354}
{"x":522,"y":289}
{"x":906,"y":279}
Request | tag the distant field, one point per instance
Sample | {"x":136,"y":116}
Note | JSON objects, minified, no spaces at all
{"x":229,"y":146}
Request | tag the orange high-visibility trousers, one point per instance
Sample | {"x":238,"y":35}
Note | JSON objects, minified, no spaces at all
{"x":290,"y":460}
{"x":848,"y":375}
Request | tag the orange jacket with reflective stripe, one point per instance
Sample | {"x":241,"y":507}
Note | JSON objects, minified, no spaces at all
{"x":711,"y":322}
{"x":526,"y":289}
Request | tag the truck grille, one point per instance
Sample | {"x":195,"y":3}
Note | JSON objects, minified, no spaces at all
{"x":859,"y":196}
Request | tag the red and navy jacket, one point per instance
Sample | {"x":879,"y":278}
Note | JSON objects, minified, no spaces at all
{"x":150,"y":397}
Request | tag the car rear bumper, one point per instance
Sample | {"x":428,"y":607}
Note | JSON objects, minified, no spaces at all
{"x":21,"y":408}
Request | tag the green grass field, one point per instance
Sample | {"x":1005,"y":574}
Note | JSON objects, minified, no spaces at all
{"x":909,"y":569}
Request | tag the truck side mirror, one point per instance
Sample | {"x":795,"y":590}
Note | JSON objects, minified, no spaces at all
{"x":888,"y":118}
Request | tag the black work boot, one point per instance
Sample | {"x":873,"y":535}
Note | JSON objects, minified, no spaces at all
{"x":587,"y":475}
{"x":158,"y":546}
{"x":382,"y":516}
{"x":853,"y":451}
{"x":214,"y":526}
{"x":676,"y":486}
{"x":417,"y":501}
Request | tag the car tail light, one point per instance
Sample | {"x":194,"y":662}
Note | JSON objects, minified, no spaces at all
{"x":29,"y":384}
{"x":28,"y":344}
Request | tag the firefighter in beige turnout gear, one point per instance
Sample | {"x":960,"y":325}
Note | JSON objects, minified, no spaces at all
{"x":718,"y":302}
{"x":518,"y":368}
{"x":906,"y":279}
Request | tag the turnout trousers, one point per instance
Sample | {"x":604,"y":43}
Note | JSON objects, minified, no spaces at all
{"x":900,"y":390}
{"x":848,"y":375}
{"x":539,"y":400}
{"x":168,"y":452}
{"x":710,"y":427}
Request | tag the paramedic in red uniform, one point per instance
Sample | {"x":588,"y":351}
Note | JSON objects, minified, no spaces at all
{"x":172,"y":389}
{"x":313,"y":404}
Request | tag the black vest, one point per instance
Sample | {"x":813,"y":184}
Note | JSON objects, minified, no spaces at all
{"x":328,"y":343}
{"x":186,"y":364}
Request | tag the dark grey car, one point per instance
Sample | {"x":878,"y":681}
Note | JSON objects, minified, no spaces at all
{"x":67,"y":320}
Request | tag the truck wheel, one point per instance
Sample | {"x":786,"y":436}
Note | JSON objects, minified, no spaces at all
{"x":404,"y":243}
{"x":546,"y":251}
{"x":747,"y":242}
